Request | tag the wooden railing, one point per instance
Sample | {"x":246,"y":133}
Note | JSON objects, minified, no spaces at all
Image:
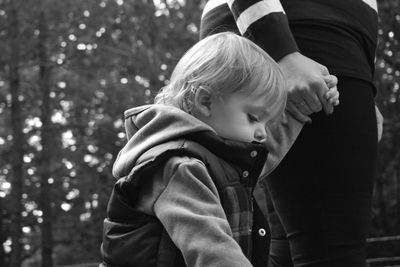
{"x":392,"y":261}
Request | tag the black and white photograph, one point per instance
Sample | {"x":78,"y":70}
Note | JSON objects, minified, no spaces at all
{"x":199,"y":133}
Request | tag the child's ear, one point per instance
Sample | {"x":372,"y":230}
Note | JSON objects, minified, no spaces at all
{"x":202,"y":101}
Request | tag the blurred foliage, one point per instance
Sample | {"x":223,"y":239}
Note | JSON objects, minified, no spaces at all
{"x":103,"y":57}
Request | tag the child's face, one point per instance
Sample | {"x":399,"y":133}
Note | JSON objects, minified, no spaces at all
{"x":239,"y":117}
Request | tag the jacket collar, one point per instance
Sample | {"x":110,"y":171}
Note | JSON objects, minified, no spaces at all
{"x":249,"y":157}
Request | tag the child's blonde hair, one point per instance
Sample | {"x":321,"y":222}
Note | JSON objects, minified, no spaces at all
{"x":223,"y":64}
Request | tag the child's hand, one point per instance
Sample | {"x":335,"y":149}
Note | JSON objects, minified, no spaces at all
{"x":332,"y":96}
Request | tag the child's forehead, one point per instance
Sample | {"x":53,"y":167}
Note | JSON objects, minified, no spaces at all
{"x":258,"y":99}
{"x":253,"y":103}
{"x":264,"y":104}
{"x":258,"y":107}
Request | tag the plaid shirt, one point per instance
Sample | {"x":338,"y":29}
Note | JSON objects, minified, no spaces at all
{"x":235,"y":168}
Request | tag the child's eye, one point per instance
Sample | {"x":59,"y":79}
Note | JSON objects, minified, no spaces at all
{"x":252,"y":118}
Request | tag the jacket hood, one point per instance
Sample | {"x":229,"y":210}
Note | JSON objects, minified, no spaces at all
{"x":150,"y":125}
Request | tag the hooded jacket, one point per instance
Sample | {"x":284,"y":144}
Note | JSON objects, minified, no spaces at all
{"x":184,"y":196}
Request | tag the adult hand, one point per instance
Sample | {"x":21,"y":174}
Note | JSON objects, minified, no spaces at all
{"x":379,"y":122}
{"x":332,"y":96}
{"x":306,"y":86}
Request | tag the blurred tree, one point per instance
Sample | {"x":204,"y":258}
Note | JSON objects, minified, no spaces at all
{"x":17,"y":151}
{"x":44,"y":158}
{"x":82,"y":64}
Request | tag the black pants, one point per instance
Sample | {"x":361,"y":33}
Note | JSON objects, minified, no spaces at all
{"x":322,"y":190}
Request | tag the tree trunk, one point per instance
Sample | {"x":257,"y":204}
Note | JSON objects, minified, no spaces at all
{"x":45,"y":157}
{"x":397,"y":194}
{"x":382,"y":203}
{"x":2,"y":232}
{"x":17,"y":151}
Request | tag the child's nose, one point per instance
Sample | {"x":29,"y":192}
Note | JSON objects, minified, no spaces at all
{"x":260,"y":135}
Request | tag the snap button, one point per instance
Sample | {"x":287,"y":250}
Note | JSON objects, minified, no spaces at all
{"x":245,"y":174}
{"x":262,"y":232}
{"x":253,"y":154}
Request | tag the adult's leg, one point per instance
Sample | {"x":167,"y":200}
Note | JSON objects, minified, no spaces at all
{"x":279,"y":253}
{"x":322,"y":189}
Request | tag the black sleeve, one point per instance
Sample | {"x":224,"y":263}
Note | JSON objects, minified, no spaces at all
{"x":262,"y":21}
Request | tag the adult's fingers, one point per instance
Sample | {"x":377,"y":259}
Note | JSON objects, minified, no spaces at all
{"x":330,"y":80}
{"x":324,"y":70}
{"x":333,"y":96}
{"x":304,"y":108}
{"x":311,"y":99}
{"x":296,"y":98}
{"x":318,"y":87}
{"x":295,"y":112}
{"x":321,"y":88}
{"x":379,"y":122}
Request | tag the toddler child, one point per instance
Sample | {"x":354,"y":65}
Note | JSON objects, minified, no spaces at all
{"x":186,"y":177}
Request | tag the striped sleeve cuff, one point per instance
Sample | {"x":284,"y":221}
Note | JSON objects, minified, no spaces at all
{"x":265,"y":22}
{"x":272,"y":33}
{"x":248,"y":12}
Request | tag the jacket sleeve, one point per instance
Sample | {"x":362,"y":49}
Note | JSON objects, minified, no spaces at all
{"x":262,"y":21}
{"x":189,"y":208}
